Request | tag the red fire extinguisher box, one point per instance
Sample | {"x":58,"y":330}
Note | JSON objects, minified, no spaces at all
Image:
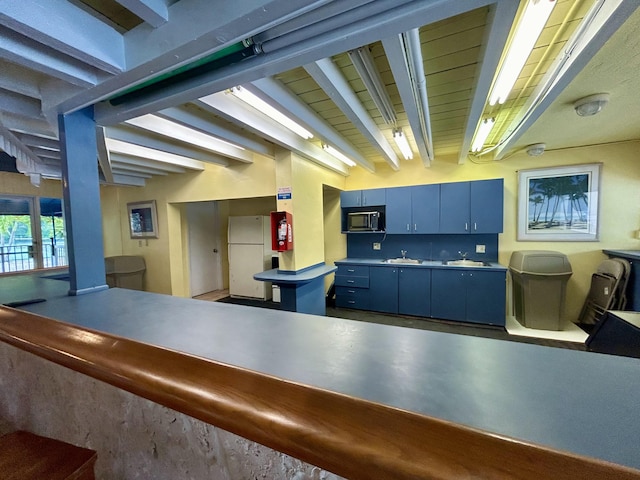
{"x":281,"y":231}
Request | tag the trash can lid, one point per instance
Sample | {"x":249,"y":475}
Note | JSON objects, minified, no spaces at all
{"x":540,"y":262}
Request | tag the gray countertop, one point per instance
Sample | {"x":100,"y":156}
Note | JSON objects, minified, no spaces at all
{"x":423,"y":264}
{"x":577,"y":401}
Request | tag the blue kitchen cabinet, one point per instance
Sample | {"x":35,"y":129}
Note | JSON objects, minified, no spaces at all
{"x":486,"y":297}
{"x":413,"y":209}
{"x":448,"y":295}
{"x":352,"y":286}
{"x":414,"y":291}
{"x":469,"y":295}
{"x":472,"y":207}
{"x":383,"y":289}
{"x":363,"y":198}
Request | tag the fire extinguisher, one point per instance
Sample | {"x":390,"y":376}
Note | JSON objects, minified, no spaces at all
{"x":282,"y":232}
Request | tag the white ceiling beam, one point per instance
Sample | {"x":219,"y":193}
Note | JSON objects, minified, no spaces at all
{"x":280,"y":94}
{"x":62,"y":26}
{"x":136,"y":173}
{"x":128,"y":180}
{"x":180,"y":132}
{"x":19,"y":104}
{"x":154,"y":12}
{"x":28,"y":53}
{"x":606,"y":21}
{"x":501,"y":18}
{"x":140,"y":171}
{"x":21,"y":124}
{"x":123,"y":159}
{"x":140,"y":151}
{"x":44,"y":153}
{"x":136,"y":136}
{"x":330,"y":78}
{"x":104,"y":157}
{"x":325,"y":43}
{"x":18,"y":79}
{"x":234,"y":110}
{"x":193,"y":117}
{"x":395,"y":52}
{"x":36,"y":141}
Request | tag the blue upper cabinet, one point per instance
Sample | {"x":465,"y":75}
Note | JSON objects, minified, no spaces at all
{"x":413,"y":209}
{"x":363,"y":198}
{"x":472,"y":207}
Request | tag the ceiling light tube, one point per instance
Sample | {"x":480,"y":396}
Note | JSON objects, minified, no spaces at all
{"x":339,"y":155}
{"x":366,"y":68}
{"x":483,"y":133}
{"x":529,"y":27}
{"x":263,"y":107}
{"x":403,"y":144}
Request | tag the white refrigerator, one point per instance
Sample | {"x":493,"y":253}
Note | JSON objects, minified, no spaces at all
{"x":249,"y":253}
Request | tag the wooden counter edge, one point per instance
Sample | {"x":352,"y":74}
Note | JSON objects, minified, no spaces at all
{"x":351,"y":437}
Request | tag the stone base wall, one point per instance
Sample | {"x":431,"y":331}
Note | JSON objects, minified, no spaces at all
{"x":134,"y":438}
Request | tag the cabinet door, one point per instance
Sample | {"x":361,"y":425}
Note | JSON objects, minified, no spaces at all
{"x":487,"y":199}
{"x":373,"y":197}
{"x":448,"y":294}
{"x":352,"y":198}
{"x":454,"y":207}
{"x":398,"y":210}
{"x":486,"y":297}
{"x":414,"y":291}
{"x":383,"y":289}
{"x":425,"y":209}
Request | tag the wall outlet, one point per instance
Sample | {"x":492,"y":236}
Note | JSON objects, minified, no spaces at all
{"x":376,"y":246}
{"x":480,"y":248}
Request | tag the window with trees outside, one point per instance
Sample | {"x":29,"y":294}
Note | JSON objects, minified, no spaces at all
{"x":32,"y":233}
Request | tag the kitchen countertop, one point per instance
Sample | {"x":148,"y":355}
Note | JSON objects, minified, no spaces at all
{"x":564,"y":399}
{"x":634,"y":254}
{"x":424,"y":264}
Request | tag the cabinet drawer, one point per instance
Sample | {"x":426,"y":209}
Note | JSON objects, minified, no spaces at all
{"x":353,"y":270}
{"x":352,"y":281}
{"x":350,"y":297}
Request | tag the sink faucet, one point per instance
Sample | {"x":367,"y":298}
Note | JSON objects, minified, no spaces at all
{"x":404,"y":253}
{"x":463,"y":255}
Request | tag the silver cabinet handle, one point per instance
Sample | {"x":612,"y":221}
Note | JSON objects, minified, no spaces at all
{"x":351,"y":281}
{"x":475,"y":226}
{"x":466,"y":226}
{"x":350,"y":270}
{"x":408,"y":227}
{"x":351,"y":291}
{"x":351,"y":301}
{"x":415,"y":227}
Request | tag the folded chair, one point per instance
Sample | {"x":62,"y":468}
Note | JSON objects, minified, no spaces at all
{"x":604,"y":292}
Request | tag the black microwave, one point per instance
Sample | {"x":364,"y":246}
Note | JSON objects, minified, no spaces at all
{"x":364,"y":222}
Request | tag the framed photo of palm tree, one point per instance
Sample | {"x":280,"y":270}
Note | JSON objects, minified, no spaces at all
{"x":559,"y":204}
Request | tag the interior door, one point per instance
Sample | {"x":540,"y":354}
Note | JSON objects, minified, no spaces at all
{"x":204,"y":250}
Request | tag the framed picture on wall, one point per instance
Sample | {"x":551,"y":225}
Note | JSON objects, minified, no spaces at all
{"x":143,"y":219}
{"x":559,"y":204}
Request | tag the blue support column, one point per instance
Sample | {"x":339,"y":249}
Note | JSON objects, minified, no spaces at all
{"x":81,"y":191}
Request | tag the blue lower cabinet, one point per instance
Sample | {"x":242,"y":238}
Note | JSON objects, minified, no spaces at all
{"x":383,"y":289}
{"x":469,"y":296}
{"x":351,"y":297}
{"x":414,"y":292}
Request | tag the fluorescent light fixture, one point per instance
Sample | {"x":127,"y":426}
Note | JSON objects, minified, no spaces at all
{"x":262,"y":106}
{"x":483,"y":133}
{"x":536,"y":149}
{"x":125,"y":148}
{"x":403,"y":144}
{"x":366,"y":68}
{"x":533,"y":20}
{"x":339,"y":155}
{"x":180,"y":132}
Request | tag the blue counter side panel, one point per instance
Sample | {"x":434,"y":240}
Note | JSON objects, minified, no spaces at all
{"x":425,"y":247}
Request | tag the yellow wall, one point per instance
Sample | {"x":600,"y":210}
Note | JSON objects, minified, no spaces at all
{"x":19,"y":184}
{"x":619,"y":206}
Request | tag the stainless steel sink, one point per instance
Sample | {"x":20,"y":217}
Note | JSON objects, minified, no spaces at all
{"x":466,"y":263}
{"x":403,"y":260}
